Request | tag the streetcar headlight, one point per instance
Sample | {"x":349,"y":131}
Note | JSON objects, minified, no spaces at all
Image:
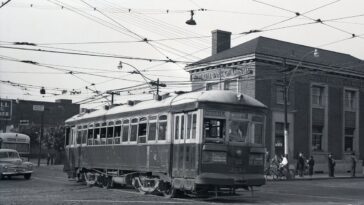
{"x":213,"y":157}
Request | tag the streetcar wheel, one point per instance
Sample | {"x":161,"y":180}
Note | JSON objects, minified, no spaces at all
{"x":169,"y":191}
{"x":106,"y":182}
{"x":27,"y":176}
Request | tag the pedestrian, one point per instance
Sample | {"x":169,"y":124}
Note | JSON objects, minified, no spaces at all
{"x":275,"y":162}
{"x":331,"y":164}
{"x":311,"y":163}
{"x":48,"y":158}
{"x":300,"y":164}
{"x":284,"y":166}
{"x":353,"y":164}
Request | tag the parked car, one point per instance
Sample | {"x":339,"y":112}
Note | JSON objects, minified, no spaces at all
{"x":12,"y":165}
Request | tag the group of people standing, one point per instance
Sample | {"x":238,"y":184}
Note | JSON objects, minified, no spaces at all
{"x":303,"y":164}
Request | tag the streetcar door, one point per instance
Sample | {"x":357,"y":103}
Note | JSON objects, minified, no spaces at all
{"x":178,"y":146}
{"x":185,"y":147}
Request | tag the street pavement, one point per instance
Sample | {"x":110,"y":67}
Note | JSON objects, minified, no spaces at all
{"x":49,"y":185}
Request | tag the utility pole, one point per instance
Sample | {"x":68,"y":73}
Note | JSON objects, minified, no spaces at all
{"x":41,"y":137}
{"x":156,"y":83}
{"x":285,"y":95}
{"x":112,"y":93}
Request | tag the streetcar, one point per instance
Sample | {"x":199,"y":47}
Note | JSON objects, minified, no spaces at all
{"x":193,"y":142}
{"x":17,"y":141}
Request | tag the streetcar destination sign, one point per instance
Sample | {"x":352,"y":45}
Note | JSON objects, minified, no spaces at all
{"x":38,"y":108}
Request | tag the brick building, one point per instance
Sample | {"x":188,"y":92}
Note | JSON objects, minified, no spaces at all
{"x":21,"y":116}
{"x":325,"y":93}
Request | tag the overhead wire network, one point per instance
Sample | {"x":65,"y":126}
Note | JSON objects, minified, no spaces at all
{"x":285,"y":27}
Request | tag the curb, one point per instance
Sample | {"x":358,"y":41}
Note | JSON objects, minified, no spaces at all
{"x":314,"y":178}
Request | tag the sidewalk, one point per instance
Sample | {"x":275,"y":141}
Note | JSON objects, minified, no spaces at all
{"x":319,"y":177}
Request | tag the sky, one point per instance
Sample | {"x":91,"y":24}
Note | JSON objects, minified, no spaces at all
{"x":74,"y":47}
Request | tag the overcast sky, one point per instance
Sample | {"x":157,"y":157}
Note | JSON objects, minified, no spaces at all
{"x":118,"y":27}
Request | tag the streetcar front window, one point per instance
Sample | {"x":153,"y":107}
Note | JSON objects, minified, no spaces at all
{"x":258,"y":134}
{"x":238,"y":131}
{"x":214,"y":130}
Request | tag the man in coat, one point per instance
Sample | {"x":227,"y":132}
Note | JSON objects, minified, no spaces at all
{"x":331,"y":163}
{"x":353,"y":164}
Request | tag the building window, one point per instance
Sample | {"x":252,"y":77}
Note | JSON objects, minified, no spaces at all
{"x":280,"y":94}
{"x":317,"y":133}
{"x":350,"y":100}
{"x":317,"y":95}
{"x":349,"y":139}
{"x":231,"y":85}
{"x":213,"y":86}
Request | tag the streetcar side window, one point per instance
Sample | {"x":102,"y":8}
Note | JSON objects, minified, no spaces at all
{"x":189,"y":126}
{"x":103,"y":134}
{"x":176,"y":132}
{"x":117,"y":132}
{"x":152,"y":128}
{"x":110,"y":133}
{"x":162,"y":127}
{"x":142,"y":130}
{"x":214,"y":130}
{"x":134,"y":130}
{"x":84,"y":135}
{"x":194,"y":126}
{"x":182,"y":135}
{"x":79,"y":137}
{"x":125,"y":136}
{"x":90,"y":134}
{"x":97,"y":134}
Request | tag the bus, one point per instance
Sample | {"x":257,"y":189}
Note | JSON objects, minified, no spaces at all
{"x":17,"y":141}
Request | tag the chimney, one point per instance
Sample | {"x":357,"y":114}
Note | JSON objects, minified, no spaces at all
{"x":220,"y":41}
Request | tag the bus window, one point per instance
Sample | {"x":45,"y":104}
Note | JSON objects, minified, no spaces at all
{"x":134,"y":130}
{"x":125,"y":136}
{"x":238,"y":131}
{"x":214,"y":130}
{"x":162,"y":127}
